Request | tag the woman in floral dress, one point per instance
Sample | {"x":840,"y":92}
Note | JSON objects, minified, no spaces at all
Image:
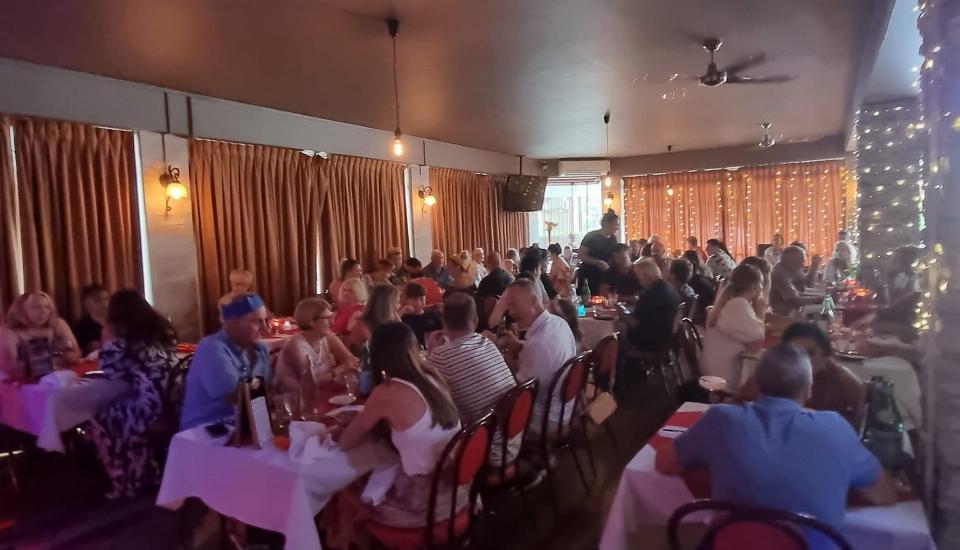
{"x":140,"y":354}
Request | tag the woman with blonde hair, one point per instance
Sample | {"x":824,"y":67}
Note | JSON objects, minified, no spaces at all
{"x":840,"y":265}
{"x":349,"y":269}
{"x":351,"y":301}
{"x":383,"y":307}
{"x":735,"y":324}
{"x":461,"y":270}
{"x":316,"y":347}
{"x":34,"y":340}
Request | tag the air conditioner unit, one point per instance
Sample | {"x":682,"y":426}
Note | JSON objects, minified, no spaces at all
{"x":584,"y":168}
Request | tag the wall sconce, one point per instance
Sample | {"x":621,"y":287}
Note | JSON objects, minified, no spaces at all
{"x":608,"y":202}
{"x":426,"y":195}
{"x":170,"y":180}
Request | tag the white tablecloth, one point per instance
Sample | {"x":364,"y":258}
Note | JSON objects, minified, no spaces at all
{"x":647,"y":498}
{"x":593,"y":330}
{"x":264,"y":487}
{"x":47,"y":412}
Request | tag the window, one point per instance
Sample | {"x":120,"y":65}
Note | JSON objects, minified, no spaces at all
{"x":575,"y":208}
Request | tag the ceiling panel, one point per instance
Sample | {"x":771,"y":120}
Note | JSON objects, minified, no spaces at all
{"x":529,"y":77}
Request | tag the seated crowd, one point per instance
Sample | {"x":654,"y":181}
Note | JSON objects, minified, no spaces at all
{"x":452,"y":338}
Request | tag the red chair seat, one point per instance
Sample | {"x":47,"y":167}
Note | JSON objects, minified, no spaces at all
{"x":494,"y":477}
{"x":406,"y":538}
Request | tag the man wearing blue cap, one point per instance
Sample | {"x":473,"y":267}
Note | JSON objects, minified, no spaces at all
{"x":225,"y":359}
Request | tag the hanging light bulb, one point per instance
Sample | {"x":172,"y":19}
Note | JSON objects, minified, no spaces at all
{"x":608,"y":202}
{"x":607,"y":181}
{"x":393,"y":26}
{"x":397,"y":144}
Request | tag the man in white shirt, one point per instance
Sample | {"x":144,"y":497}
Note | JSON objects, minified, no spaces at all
{"x":844,"y":235}
{"x":479,"y":271}
{"x":549,"y":343}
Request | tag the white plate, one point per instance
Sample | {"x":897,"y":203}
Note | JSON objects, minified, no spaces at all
{"x":713,"y":383}
{"x":340,"y":400}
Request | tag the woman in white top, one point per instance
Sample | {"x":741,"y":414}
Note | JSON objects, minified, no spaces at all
{"x":774,"y":251}
{"x":720,"y":262}
{"x":840,"y":264}
{"x":422,"y":419}
{"x":316,"y":348}
{"x":734,"y":325}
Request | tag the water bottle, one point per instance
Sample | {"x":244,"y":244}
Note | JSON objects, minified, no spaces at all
{"x":367,"y":379}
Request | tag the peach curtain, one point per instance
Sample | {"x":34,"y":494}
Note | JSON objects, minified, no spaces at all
{"x":808,"y":202}
{"x":8,"y":247}
{"x":673,"y":206}
{"x":255,"y":208}
{"x":469,"y":213}
{"x":365,"y":212}
{"x":77,"y":200}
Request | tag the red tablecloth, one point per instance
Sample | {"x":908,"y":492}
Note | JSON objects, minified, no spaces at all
{"x":698,"y":481}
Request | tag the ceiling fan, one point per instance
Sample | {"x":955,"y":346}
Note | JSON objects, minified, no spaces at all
{"x":732,"y":73}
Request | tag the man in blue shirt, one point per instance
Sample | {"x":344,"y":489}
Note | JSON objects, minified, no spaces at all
{"x":225,"y":359}
{"x":773,"y":453}
{"x":437,"y":269}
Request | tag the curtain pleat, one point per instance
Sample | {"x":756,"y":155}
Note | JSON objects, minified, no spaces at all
{"x":8,"y":222}
{"x":255,"y":208}
{"x":807,"y":202}
{"x":364,"y":213}
{"x":468,"y":213}
{"x":78,"y":209}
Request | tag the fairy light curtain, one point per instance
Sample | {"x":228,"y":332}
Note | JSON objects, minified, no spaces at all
{"x":807,"y":202}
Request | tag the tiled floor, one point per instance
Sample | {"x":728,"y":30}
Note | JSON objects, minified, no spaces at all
{"x":57,"y":505}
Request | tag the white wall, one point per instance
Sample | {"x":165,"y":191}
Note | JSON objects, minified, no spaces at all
{"x":170,"y":250}
{"x":49,"y":92}
{"x":422,"y":242}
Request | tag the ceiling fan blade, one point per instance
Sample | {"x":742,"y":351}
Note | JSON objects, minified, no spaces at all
{"x":746,"y":63}
{"x":740,"y":79}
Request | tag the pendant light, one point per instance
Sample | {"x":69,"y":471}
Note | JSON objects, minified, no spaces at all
{"x":393,"y":26}
{"x":608,"y":180}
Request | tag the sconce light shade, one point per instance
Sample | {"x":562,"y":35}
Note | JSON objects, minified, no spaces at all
{"x":426,"y":195}
{"x":429,"y":200}
{"x":608,"y":201}
{"x":170,"y":180}
{"x":176,"y":190}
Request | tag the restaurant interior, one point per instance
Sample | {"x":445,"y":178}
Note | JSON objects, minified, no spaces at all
{"x":540,"y":274}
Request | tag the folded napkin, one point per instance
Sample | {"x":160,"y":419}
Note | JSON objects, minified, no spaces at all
{"x":310,"y":441}
{"x":59,"y":379}
{"x":380,"y":482}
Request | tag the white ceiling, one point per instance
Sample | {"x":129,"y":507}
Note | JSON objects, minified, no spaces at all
{"x":530,"y":77}
{"x":894,"y":73}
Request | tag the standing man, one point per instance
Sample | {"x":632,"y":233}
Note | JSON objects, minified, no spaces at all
{"x":844,"y":235}
{"x":774,"y":251}
{"x":596,"y":249}
{"x":224,"y":360}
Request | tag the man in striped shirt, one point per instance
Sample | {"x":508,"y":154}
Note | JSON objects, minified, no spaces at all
{"x":469,"y":363}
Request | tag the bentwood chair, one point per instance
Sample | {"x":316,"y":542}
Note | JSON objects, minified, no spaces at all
{"x":603,"y":370}
{"x":461,"y":463}
{"x":565,"y":394}
{"x":512,"y":415}
{"x":742,"y":527}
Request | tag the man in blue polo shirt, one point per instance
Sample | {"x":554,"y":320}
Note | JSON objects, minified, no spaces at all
{"x":773,"y":453}
{"x":224,"y":359}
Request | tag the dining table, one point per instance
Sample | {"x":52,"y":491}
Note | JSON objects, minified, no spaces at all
{"x":645,"y":499}
{"x":267,"y":487}
{"x":55,"y":404}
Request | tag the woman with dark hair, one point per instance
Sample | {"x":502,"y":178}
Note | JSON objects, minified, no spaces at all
{"x":734,"y":325}
{"x":835,"y":387}
{"x":720,"y":261}
{"x":422,"y":418}
{"x":701,"y":281}
{"x":764,"y":267}
{"x":349,"y":269}
{"x":142,"y":356}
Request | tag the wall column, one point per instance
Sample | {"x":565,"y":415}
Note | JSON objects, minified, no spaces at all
{"x":170,"y":270}
{"x":939,"y":23}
